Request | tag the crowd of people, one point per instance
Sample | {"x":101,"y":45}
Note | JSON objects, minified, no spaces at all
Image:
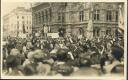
{"x":60,"y":56}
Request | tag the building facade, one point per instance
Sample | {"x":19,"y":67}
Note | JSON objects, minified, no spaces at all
{"x":97,"y":19}
{"x":18,"y":23}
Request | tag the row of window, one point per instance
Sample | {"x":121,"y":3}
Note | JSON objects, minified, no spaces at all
{"x":61,"y":17}
{"x":23,"y":22}
{"x":109,"y":15}
{"x":23,"y":17}
{"x":46,"y":16}
{"x":96,"y":32}
{"x":96,"y":15}
{"x":23,"y":25}
{"x":43,"y":16}
{"x":26,"y":27}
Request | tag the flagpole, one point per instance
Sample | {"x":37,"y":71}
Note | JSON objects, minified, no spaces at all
{"x":32,"y":17}
{"x":119,"y":21}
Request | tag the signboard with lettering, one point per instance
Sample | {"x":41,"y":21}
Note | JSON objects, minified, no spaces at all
{"x":53,"y":35}
{"x":22,"y":35}
{"x":37,"y":34}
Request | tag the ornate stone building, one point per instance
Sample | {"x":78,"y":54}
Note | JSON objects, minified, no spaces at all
{"x":18,"y":22}
{"x":97,"y":19}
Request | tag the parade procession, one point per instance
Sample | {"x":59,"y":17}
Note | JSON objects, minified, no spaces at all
{"x":64,"y":39}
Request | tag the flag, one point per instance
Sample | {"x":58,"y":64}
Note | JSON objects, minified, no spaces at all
{"x":90,"y":25}
{"x":120,"y":21}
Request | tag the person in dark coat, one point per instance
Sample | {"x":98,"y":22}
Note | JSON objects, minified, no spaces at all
{"x":102,"y":63}
{"x":13,"y":65}
{"x":117,"y":52}
{"x":114,"y":63}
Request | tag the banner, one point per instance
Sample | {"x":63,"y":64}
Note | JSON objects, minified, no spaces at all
{"x":37,"y":34}
{"x":121,"y":20}
{"x":22,"y":36}
{"x":53,"y":35}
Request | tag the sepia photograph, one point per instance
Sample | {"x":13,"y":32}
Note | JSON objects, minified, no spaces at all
{"x":63,"y":39}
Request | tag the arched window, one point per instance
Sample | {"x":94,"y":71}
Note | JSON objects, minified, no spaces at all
{"x":96,"y":14}
{"x":116,"y":15}
{"x":98,"y":32}
{"x":94,"y":32}
{"x":59,"y":16}
{"x":42,"y":16}
{"x":109,"y":15}
{"x":46,"y":14}
{"x":17,"y":17}
{"x":22,"y":17}
{"x":39,"y":17}
{"x":36,"y":18}
{"x":50,"y":13}
{"x":81,"y":16}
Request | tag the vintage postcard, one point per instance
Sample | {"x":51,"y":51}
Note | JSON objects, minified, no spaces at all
{"x":64,"y":39}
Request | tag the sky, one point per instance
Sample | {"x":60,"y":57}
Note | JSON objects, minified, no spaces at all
{"x":9,"y":6}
